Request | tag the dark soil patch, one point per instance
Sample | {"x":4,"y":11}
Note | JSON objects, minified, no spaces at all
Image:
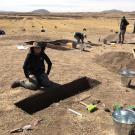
{"x":57,"y":44}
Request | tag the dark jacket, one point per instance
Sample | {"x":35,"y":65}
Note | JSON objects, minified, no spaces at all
{"x":34,"y":64}
{"x":124,"y":24}
{"x":79,"y":35}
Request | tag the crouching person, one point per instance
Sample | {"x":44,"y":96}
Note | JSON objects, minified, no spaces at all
{"x":79,"y":37}
{"x":34,"y":69}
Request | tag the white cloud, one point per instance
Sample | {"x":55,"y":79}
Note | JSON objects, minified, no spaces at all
{"x":67,"y":5}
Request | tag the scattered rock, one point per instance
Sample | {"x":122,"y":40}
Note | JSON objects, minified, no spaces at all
{"x":113,"y":41}
{"x":84,"y":29}
{"x":27,"y":127}
{"x":37,"y":122}
{"x":23,"y":29}
{"x":55,"y":105}
{"x":111,"y":30}
{"x":127,"y":91}
{"x":103,"y":105}
{"x":125,"y":105}
{"x":22,"y":129}
{"x":107,"y":110}
{"x":96,"y":102}
{"x":55,"y":27}
{"x":89,"y":42}
{"x":17,"y":130}
{"x":33,"y":26}
{"x":42,"y":30}
{"x":105,"y":41}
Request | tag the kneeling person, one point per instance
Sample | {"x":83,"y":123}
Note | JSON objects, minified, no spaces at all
{"x":34,"y":69}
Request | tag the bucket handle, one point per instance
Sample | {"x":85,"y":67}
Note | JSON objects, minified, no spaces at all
{"x":131,"y":111}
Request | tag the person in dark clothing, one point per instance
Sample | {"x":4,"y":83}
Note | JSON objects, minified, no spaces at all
{"x":2,"y":32}
{"x":123,"y":27}
{"x":79,"y":37}
{"x":34,"y":69}
{"x":134,"y":28}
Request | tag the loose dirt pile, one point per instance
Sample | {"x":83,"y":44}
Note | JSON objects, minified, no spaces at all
{"x":114,"y":61}
{"x":130,"y":38}
{"x":112,"y":37}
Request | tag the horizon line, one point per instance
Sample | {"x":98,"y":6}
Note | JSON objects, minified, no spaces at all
{"x":67,"y":11}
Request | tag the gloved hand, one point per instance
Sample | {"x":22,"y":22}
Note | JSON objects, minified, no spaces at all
{"x":32,"y":78}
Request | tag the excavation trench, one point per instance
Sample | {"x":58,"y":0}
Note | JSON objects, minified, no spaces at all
{"x":45,"y":98}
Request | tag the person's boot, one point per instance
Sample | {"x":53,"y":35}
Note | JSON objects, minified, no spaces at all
{"x":15,"y":84}
{"x":119,"y":42}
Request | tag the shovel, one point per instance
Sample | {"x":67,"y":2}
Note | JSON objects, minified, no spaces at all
{"x":90,"y":108}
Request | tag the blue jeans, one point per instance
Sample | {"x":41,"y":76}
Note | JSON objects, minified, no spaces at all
{"x":122,"y":36}
{"x":41,"y":80}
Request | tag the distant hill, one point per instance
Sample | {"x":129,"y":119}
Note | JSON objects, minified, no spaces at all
{"x":132,"y":12}
{"x":112,"y":11}
{"x":2,"y":11}
{"x":41,"y":11}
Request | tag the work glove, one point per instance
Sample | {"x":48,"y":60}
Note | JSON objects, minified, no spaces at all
{"x":32,"y":78}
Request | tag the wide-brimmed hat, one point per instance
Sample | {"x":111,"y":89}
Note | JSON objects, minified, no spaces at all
{"x":123,"y":17}
{"x":35,"y":45}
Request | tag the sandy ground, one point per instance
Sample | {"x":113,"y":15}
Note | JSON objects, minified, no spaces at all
{"x":67,"y":66}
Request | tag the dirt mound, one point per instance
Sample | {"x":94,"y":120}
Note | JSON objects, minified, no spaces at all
{"x":130,"y":38}
{"x":112,"y":37}
{"x":114,"y":61}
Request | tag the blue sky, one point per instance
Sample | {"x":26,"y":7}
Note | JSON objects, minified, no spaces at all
{"x":67,"y":5}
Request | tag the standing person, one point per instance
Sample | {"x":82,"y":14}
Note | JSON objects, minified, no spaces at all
{"x":134,"y":28}
{"x":123,"y":26}
{"x":34,"y":69}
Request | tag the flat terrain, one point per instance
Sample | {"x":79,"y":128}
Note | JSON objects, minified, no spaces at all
{"x":67,"y":66}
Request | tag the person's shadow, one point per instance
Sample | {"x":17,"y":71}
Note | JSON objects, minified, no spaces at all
{"x":48,"y":96}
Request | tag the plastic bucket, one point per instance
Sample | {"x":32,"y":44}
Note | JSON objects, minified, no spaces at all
{"x":126,"y":77}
